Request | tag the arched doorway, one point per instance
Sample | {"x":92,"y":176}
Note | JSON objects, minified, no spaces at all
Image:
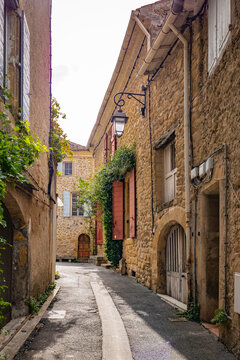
{"x":83,"y":247}
{"x":6,"y":257}
{"x":176,"y":278}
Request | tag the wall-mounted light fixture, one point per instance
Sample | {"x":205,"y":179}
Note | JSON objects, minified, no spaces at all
{"x":119,"y":118}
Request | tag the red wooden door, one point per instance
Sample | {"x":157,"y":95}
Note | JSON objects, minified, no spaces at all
{"x":83,"y":247}
{"x":99,"y":226}
{"x":117,"y":233}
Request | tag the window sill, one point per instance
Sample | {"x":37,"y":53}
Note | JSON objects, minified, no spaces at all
{"x":163,"y":206}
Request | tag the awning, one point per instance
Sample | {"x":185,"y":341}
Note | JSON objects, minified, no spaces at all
{"x":166,"y":138}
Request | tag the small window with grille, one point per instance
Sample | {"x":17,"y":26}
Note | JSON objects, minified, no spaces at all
{"x":68,"y":168}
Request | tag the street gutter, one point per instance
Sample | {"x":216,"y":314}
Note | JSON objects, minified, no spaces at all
{"x":12,"y":345}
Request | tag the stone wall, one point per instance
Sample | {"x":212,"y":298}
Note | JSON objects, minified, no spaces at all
{"x":70,"y":228}
{"x":215,"y":122}
{"x":215,"y":119}
{"x":30,"y":206}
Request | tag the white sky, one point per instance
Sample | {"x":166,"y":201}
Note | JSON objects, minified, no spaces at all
{"x":87,"y":37}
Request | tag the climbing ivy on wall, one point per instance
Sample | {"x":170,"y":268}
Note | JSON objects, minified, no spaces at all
{"x":101,"y":192}
{"x":18,"y":150}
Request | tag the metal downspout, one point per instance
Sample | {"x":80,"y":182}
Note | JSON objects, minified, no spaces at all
{"x":194,"y":250}
{"x":186,"y":151}
{"x":226,"y":233}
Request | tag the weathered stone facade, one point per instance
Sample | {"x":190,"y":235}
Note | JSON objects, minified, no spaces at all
{"x":70,"y":227}
{"x":31,"y":208}
{"x":214,"y":133}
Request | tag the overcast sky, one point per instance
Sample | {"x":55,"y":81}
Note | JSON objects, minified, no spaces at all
{"x":87,"y":37}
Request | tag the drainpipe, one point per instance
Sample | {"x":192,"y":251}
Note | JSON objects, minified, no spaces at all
{"x":186,"y":151}
{"x":226,"y":233}
{"x":177,"y":7}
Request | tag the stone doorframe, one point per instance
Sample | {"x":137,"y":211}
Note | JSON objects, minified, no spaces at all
{"x":173,"y":216}
{"x":20,"y":256}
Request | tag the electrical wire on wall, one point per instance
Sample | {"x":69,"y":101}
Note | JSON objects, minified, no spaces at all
{"x":151,"y":152}
{"x":124,"y":89}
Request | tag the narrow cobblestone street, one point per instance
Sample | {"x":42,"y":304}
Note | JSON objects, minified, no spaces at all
{"x":72,"y":328}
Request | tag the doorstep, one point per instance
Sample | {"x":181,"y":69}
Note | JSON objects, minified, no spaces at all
{"x":213,"y":329}
{"x":21,"y":328}
{"x":173,"y":302}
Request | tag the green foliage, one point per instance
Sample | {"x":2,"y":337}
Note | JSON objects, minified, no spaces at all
{"x":34,"y":304}
{"x":59,"y":143}
{"x":2,"y":356}
{"x":3,"y":304}
{"x":18,"y":150}
{"x":192,"y":313}
{"x":220,"y":317}
{"x":99,"y":190}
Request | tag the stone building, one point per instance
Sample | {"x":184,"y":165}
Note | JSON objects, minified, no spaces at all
{"x":186,"y":244}
{"x":73,"y":240}
{"x":30,"y":209}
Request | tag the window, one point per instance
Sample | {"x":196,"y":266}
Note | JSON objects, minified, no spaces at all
{"x":77,"y":208}
{"x":219,"y":18}
{"x":72,"y":206}
{"x":15,"y":55}
{"x":68,"y":168}
{"x":165,"y":171}
{"x":170,"y":172}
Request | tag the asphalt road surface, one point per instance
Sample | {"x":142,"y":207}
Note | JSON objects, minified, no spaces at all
{"x":99,"y":314}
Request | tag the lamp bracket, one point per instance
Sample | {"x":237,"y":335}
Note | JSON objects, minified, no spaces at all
{"x":119,"y":101}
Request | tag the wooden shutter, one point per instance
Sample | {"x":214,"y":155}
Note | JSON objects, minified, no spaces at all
{"x":223,"y":22}
{"x":117,"y":210}
{"x":105,"y":148}
{"x":1,"y":42}
{"x":132,"y":205}
{"x":212,"y":33}
{"x":25,"y":68}
{"x":170,"y":174}
{"x":66,"y":203}
{"x":85,"y":209}
{"x":60,"y":167}
{"x":99,"y":226}
{"x":113,"y":142}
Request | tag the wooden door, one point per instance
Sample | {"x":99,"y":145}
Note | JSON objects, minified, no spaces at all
{"x":83,"y":247}
{"x":176,"y":264}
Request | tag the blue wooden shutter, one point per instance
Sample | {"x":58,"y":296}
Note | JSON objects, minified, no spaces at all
{"x":86,"y":209}
{"x":25,"y":68}
{"x":1,"y":42}
{"x":60,"y":167}
{"x":66,"y":203}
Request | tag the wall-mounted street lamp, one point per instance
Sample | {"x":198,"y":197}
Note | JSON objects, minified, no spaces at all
{"x":119,"y":118}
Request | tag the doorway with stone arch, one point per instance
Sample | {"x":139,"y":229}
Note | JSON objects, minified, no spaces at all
{"x":169,"y":232}
{"x":83,"y":247}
